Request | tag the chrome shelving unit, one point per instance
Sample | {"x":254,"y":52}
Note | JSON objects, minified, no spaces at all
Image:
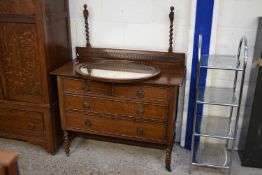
{"x":214,"y":137}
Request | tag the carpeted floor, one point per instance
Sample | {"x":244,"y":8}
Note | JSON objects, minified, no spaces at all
{"x":89,"y":157}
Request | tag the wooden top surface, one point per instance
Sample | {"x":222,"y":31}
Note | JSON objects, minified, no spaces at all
{"x":171,"y":76}
{"x":6,"y":158}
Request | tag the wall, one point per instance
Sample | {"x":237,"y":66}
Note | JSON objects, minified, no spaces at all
{"x":131,"y":24}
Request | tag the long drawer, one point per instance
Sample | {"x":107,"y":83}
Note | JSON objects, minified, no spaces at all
{"x":21,"y":122}
{"x":115,"y":127}
{"x":116,"y":107}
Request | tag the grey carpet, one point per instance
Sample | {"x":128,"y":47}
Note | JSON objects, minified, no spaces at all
{"x":89,"y":157}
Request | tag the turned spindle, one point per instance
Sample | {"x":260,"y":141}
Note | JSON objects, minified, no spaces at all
{"x":86,"y":15}
{"x":171,"y":18}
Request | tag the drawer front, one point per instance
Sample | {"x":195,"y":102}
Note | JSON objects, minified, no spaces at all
{"x":17,"y":7}
{"x":85,"y":87}
{"x":116,"y":107}
{"x":116,"y":127}
{"x":141,"y":92}
{"x":21,"y":122}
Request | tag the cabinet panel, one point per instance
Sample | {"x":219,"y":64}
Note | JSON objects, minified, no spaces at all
{"x":56,"y":6}
{"x":21,"y":62}
{"x":1,"y":90}
{"x":17,"y":7}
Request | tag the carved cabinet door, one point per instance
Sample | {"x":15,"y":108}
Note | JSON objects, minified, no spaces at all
{"x":20,"y":62}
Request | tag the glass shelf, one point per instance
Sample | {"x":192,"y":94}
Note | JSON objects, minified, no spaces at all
{"x":213,"y":126}
{"x":217,"y":96}
{"x":210,"y":154}
{"x":223,"y":62}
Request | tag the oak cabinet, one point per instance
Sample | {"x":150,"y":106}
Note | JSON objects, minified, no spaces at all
{"x":31,"y":47}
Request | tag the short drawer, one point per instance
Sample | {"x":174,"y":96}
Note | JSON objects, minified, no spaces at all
{"x":21,"y":122}
{"x":116,"y":127}
{"x":17,"y":7}
{"x":116,"y":107}
{"x":141,"y":92}
{"x":86,"y":87}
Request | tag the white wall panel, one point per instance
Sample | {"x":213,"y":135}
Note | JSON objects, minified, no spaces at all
{"x":131,"y":24}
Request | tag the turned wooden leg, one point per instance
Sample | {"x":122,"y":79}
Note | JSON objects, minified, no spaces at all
{"x":168,"y":159}
{"x":66,"y":143}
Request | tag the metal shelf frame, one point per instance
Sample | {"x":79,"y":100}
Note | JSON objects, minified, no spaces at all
{"x":214,"y":127}
{"x":204,"y":128}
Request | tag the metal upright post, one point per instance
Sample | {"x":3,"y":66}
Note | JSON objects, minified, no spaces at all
{"x":244,"y":39}
{"x":196,"y":97}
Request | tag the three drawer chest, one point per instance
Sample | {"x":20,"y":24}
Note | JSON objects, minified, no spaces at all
{"x":141,"y":113}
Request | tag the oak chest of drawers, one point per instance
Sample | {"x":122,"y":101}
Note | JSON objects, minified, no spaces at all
{"x":137,"y":113}
{"x":141,"y":113}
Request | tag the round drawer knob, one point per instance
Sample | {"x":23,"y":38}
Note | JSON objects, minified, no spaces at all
{"x":86,"y":87}
{"x":88,"y":123}
{"x":140,"y":93}
{"x":31,"y":126}
{"x":140,"y":112}
{"x":86,"y":105}
{"x":140,"y":131}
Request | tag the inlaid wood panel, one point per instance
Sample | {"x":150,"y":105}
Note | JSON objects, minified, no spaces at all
{"x":20,"y":62}
{"x":116,"y":107}
{"x":13,"y":121}
{"x":17,"y":7}
{"x":116,"y":127}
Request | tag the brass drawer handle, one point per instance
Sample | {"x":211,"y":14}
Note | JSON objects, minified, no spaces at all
{"x":140,"y":112}
{"x":88,"y":123}
{"x":31,"y":126}
{"x":140,"y":93}
{"x":86,"y":105}
{"x":86,"y":87}
{"x":140,"y":131}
